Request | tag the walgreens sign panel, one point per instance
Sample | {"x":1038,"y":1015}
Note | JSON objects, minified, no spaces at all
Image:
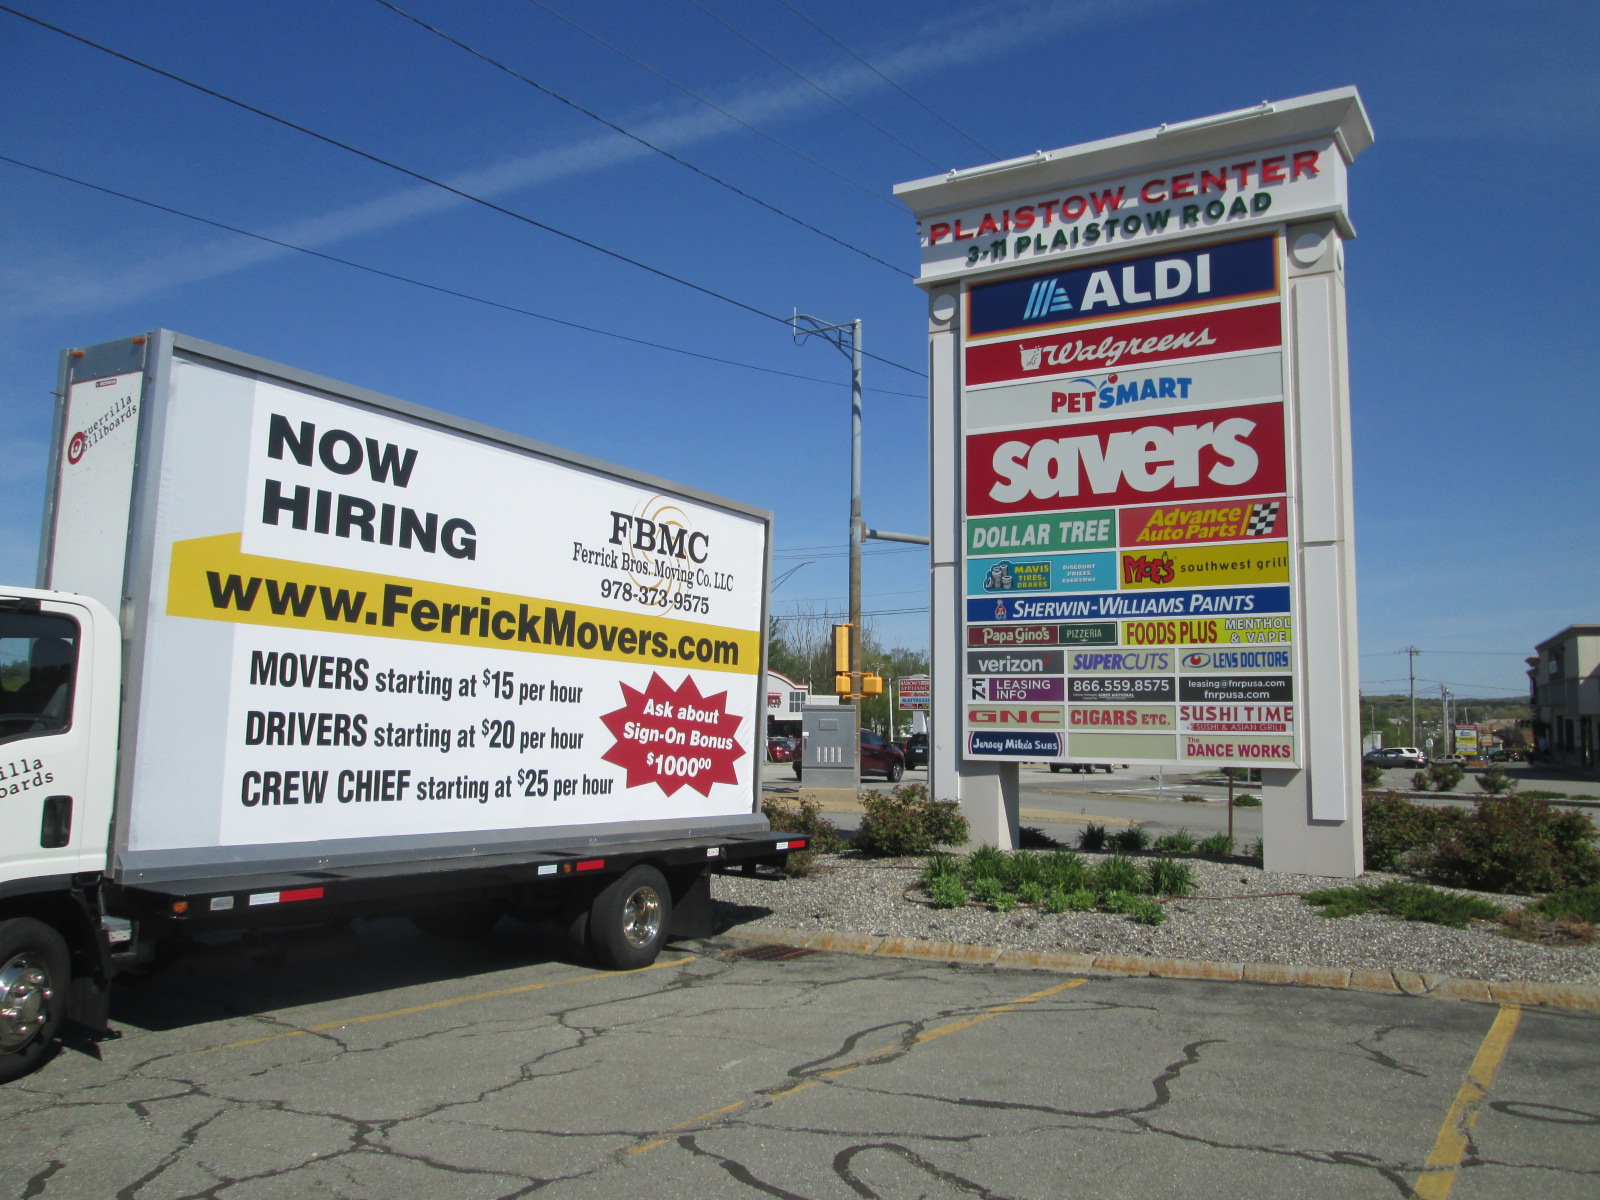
{"x":1164,"y":457}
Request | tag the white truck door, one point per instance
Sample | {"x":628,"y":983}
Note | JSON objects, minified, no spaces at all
{"x":50,"y":822}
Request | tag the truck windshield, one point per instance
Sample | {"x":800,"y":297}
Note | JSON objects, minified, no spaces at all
{"x":38,"y":661}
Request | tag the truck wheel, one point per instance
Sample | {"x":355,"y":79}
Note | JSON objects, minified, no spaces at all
{"x":629,"y":918}
{"x":34,"y":973}
{"x":895,"y":771}
{"x":1055,"y":768}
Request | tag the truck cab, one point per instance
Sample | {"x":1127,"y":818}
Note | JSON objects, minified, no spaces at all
{"x":60,"y":671}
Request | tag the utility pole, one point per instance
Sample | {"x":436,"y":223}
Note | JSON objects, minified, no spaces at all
{"x":1413,"y":652}
{"x":1446,"y":732}
{"x":838,"y":335}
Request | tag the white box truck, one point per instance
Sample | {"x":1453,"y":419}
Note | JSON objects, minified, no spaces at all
{"x":300,"y":652}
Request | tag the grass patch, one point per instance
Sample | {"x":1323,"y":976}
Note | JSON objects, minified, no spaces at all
{"x":1408,"y":901}
{"x":1132,"y":838}
{"x":1576,"y":904}
{"x":1170,"y":877}
{"x":1193,"y":798}
{"x":1181,"y":842}
{"x":1528,"y":926}
{"x":1541,"y":794}
{"x":1219,"y":845}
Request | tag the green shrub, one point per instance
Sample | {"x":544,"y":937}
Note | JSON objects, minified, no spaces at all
{"x":987,"y":890}
{"x":1119,"y":901}
{"x":1022,"y":867}
{"x":1063,"y":870}
{"x":1132,"y":838}
{"x":1495,"y":781}
{"x":1540,"y":794}
{"x":947,"y":891}
{"x":1181,"y":842}
{"x":986,"y":862}
{"x":940,"y":866}
{"x":1371,"y":775}
{"x":1170,"y":877}
{"x":1256,"y":849}
{"x":1445,"y":776}
{"x":1057,"y":901}
{"x":1408,"y":901}
{"x":1081,"y":900}
{"x":1572,"y":904}
{"x":1247,"y":801}
{"x":1193,"y":798}
{"x":1031,"y":892}
{"x":1218,"y":845}
{"x":1421,"y":781}
{"x":1031,"y":837}
{"x":1146,"y":911}
{"x":803,"y":817}
{"x":1395,"y":829}
{"x":1005,"y":902}
{"x":1514,"y":844}
{"x":908,"y":821}
{"x":1118,"y":874}
{"x":1092,"y":838}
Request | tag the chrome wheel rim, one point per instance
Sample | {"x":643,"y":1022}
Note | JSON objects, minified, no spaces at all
{"x":641,"y":916}
{"x":25,"y":996}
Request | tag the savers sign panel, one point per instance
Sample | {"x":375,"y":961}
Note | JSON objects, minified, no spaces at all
{"x":397,"y":629}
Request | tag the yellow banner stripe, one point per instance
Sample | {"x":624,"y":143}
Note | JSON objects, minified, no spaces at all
{"x":212,"y":580}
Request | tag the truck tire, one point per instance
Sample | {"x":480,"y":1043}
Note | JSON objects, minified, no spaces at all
{"x":629,"y":918}
{"x":34,"y":973}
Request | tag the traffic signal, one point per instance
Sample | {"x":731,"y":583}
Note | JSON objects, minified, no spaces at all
{"x":871,"y":685}
{"x":841,"y":684}
{"x":841,"y":649}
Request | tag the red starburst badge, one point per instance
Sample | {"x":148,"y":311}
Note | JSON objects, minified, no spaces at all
{"x":674,"y":737}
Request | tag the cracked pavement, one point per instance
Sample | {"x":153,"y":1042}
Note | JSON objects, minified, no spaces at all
{"x":372,"y":1061}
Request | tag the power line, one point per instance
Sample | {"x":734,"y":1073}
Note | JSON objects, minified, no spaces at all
{"x":814,"y":84}
{"x":839,"y":616}
{"x":645,"y":142}
{"x":434,"y":287}
{"x":915,"y":100}
{"x":420,"y":177}
{"x":737,"y":120}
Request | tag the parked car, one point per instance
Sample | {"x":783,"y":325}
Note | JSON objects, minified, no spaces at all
{"x":782,"y":749}
{"x":915,"y":748}
{"x":1080,"y":768}
{"x":1499,"y":754}
{"x":878,"y":757}
{"x":1396,"y":756}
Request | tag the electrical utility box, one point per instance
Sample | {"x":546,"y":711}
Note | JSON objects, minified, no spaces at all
{"x":828,"y":746}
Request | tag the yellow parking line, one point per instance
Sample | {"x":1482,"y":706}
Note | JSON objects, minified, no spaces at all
{"x":1439,"y":1173}
{"x":416,"y":1008}
{"x":869,"y":1059}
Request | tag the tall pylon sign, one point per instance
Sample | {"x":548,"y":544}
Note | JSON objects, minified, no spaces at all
{"x":1143,"y":543}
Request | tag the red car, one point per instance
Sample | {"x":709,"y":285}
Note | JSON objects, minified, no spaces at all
{"x":782,"y":749}
{"x":878,"y":757}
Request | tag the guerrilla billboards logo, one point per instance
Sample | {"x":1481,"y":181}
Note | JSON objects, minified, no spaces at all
{"x":125,"y":409}
{"x":674,"y":737}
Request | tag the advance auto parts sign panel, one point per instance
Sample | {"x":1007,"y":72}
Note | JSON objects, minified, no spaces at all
{"x":392,"y":646}
{"x":1187,"y":462}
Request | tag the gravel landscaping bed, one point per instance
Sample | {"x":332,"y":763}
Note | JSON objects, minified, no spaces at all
{"x":853,"y":895}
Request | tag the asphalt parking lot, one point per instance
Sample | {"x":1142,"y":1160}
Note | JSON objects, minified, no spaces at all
{"x":371,"y":1061}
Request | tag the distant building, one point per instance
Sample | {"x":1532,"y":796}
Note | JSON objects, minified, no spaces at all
{"x":786,"y":699}
{"x":1564,"y":679}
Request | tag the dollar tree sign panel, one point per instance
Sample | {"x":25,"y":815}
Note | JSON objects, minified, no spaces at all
{"x":1141,"y":451}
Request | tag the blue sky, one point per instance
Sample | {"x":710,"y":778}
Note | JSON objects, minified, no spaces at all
{"x":1471,"y":285}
